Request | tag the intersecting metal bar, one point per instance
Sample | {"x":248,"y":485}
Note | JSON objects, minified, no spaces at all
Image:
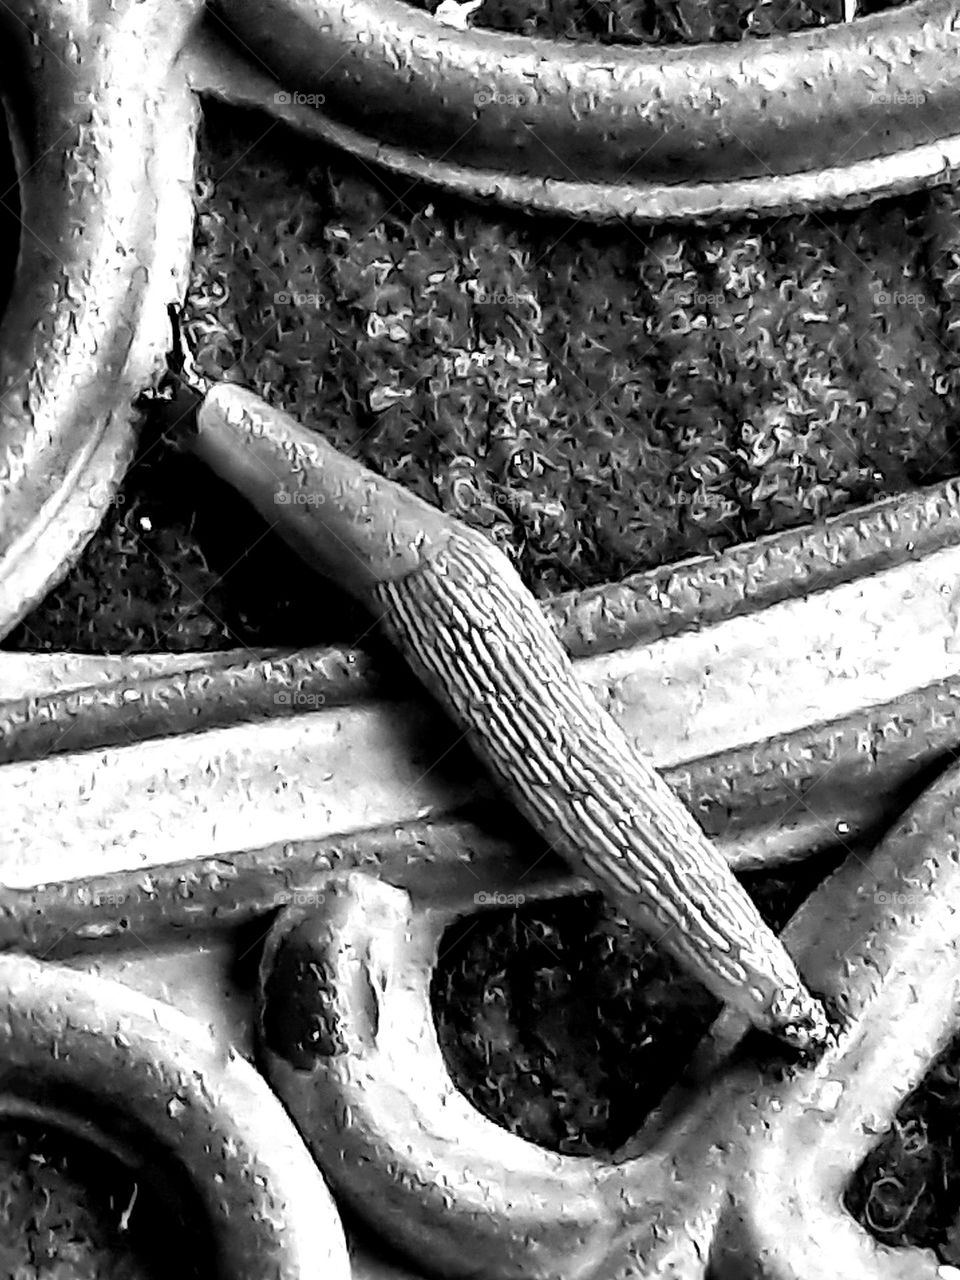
{"x":206,"y":984}
{"x":27,"y":677}
{"x":717,"y":1188}
{"x":349,"y":988}
{"x":330,"y":772}
{"x":53,"y":694}
{"x":765,"y":802}
{"x":741,"y":1181}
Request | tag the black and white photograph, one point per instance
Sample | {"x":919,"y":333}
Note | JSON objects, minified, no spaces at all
{"x":479,"y":640}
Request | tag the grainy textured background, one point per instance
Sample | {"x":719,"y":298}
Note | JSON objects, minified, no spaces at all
{"x":598,"y":402}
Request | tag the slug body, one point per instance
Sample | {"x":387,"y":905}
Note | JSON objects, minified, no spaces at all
{"x":345,"y":521}
{"x":459,"y":613}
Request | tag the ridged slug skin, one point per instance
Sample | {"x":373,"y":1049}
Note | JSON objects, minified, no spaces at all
{"x":474,"y":635}
{"x":467,"y":626}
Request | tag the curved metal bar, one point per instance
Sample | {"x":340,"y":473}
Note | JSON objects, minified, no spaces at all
{"x":612,"y":132}
{"x":26,"y":676}
{"x":90,"y":1054}
{"x":751,"y":576}
{"x":580,"y":782}
{"x":102,"y":123}
{"x":825,"y":787}
{"x":207,"y":696}
{"x":348,"y":1042}
{"x":882,"y":941}
{"x":744,"y":1179}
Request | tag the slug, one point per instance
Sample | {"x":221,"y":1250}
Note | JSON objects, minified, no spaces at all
{"x":468,"y":628}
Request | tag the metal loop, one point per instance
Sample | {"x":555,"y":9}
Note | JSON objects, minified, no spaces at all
{"x":743,"y":1179}
{"x":92,"y":97}
{"x":76,"y":1045}
{"x":349,"y":1044}
{"x":80,"y":339}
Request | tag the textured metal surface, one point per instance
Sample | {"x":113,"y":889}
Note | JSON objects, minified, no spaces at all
{"x":72,"y":706}
{"x":650,"y":135}
{"x":92,"y":97}
{"x":741,"y":1178}
{"x":821,"y":661}
{"x":151,"y":1086}
{"x":772,"y":672}
{"x":458,"y":613}
{"x":541,"y":1215}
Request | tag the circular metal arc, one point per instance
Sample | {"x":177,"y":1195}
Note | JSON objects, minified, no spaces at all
{"x":607,"y":132}
{"x":122,"y":1064}
{"x":741,"y":1181}
{"x":102,"y":125}
{"x":348,"y":1042}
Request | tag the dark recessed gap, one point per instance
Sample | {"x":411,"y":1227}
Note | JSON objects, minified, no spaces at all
{"x":565,"y":1025}
{"x":70,"y":1205}
{"x":660,"y":22}
{"x":561,"y":1024}
{"x":907,"y":1191}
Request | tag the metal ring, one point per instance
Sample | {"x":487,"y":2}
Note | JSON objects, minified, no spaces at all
{"x":349,"y":1044}
{"x":102,"y":126}
{"x":92,"y":1055}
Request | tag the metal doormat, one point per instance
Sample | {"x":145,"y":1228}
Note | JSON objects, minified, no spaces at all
{"x":480,"y":686}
